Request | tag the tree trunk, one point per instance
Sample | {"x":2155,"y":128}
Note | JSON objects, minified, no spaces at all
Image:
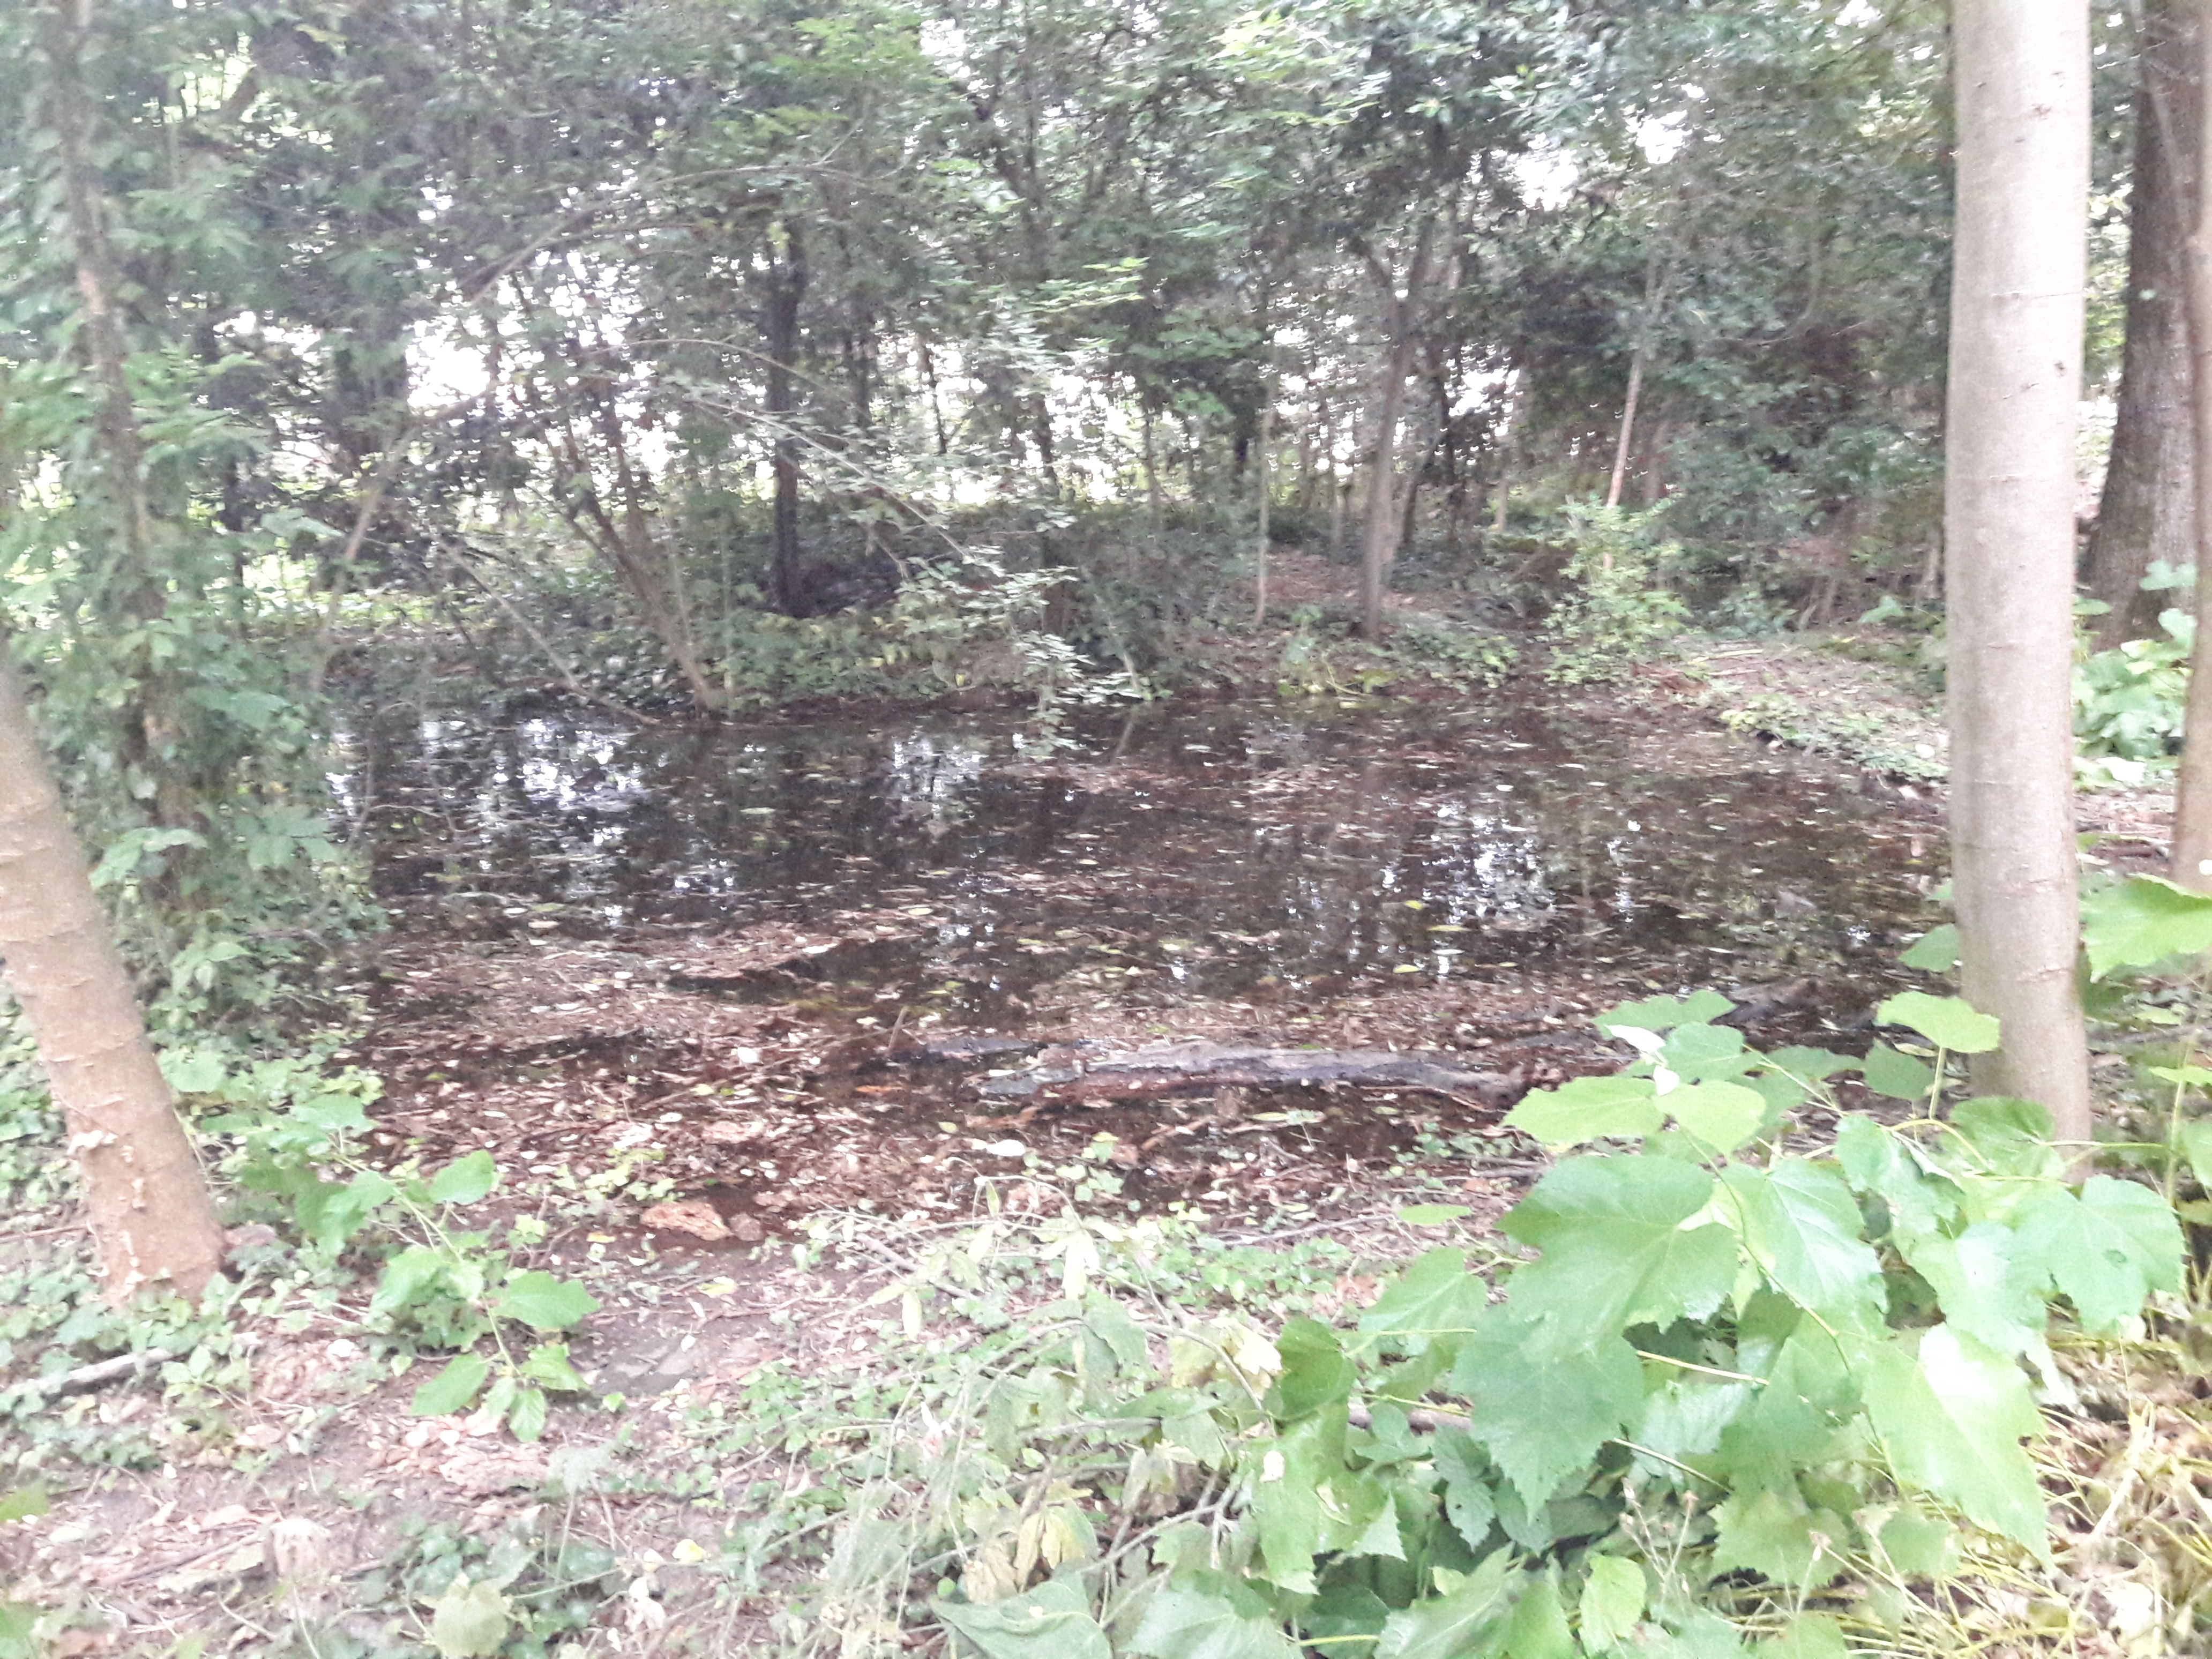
{"x":787,"y":284}
{"x":1635,"y":386}
{"x":1402,"y":316}
{"x":2193,"y":797}
{"x":1260,"y":584}
{"x":2146,"y":510}
{"x":151,"y":1217}
{"x":2015,"y":373}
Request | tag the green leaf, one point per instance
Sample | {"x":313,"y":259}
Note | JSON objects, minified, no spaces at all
{"x":1538,"y":1629}
{"x":1469,"y":1504}
{"x":2196,"y":1138}
{"x":1664,"y":1013}
{"x":544,"y":1302}
{"x":1699,"y":1053}
{"x":1724,"y":1115}
{"x":464,"y":1180}
{"x":1801,"y":1227}
{"x":1053,"y":1621}
{"x":1614,"y":1250}
{"x":1314,"y":1374}
{"x":1435,"y":1298}
{"x":1453,"y":1625}
{"x":1920,"y":1545}
{"x":1935,"y":951}
{"x":2011,"y":1137}
{"x":1612,"y":1600}
{"x":1286,"y":1499}
{"x":22,"y":1502}
{"x":1900,"y":1077}
{"x":453,"y":1388}
{"x":408,"y":1277}
{"x":469,"y":1621}
{"x":1951,"y":1023}
{"x":1586,"y":1108}
{"x":1952,"y":1416}
{"x":1989,"y":1282}
{"x":1808,"y":1636}
{"x":1185,"y":1624}
{"x":549,"y":1365}
{"x":1772,"y":1532}
{"x":1812,"y":1065}
{"x":1430,"y":1215}
{"x":525,"y":1418}
{"x":1541,"y":1418}
{"x":193,"y":1071}
{"x":2143,"y":921}
{"x":1877,"y":1160}
{"x":2107,"y":1249}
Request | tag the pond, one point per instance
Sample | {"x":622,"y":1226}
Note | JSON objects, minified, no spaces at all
{"x":1435,"y":878}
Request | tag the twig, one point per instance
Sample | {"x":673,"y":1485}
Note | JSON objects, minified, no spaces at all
{"x":91,"y":1376}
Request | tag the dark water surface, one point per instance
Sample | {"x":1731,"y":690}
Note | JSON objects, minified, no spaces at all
{"x":1241,"y":850}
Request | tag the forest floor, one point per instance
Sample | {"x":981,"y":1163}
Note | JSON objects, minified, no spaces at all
{"x":744,"y":1124}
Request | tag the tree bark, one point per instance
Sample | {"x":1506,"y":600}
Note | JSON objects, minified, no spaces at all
{"x":1259,"y":584}
{"x":2014,"y":380}
{"x":2193,"y":797}
{"x":1402,"y":317}
{"x":148,"y":1204}
{"x":2146,"y":510}
{"x":787,"y":284}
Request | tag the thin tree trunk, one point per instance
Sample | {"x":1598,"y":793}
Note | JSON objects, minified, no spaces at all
{"x":2147,"y":512}
{"x":1151,"y":475}
{"x":786,"y":286}
{"x":1259,"y":584}
{"x":1634,"y":386}
{"x":148,"y":1204}
{"x":2015,"y":372}
{"x":1382,"y":543}
{"x":2192,"y":798}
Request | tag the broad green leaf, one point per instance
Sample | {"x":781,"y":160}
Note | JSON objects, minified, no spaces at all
{"x":1358,"y":1517}
{"x":1774,"y":1532}
{"x":1812,"y":1065}
{"x":1935,"y":951}
{"x":453,"y":1388}
{"x":1612,"y":1602}
{"x":2009,"y":1137}
{"x":1538,"y":1629}
{"x":1469,"y":1504}
{"x":1435,"y":1298}
{"x":1950,"y":1023}
{"x":192,"y":1070}
{"x":2107,"y":1249}
{"x":544,"y":1302}
{"x":1430,"y":1215}
{"x":1586,"y":1108}
{"x":1724,"y":1115}
{"x":1614,"y":1251}
{"x":525,"y":1418}
{"x":1186,"y":1625}
{"x":1899,"y":1077}
{"x":1793,"y":1422}
{"x":469,"y":1621}
{"x":1703,"y":1635}
{"x":1801,"y":1227}
{"x":1989,"y":1281}
{"x":1952,"y":1416}
{"x":1920,"y":1545}
{"x":1808,"y":1636}
{"x":1053,"y":1621}
{"x":464,"y":1180}
{"x":407,"y":1277}
{"x":1315,"y":1373}
{"x":1541,"y":1418}
{"x":1454,"y":1626}
{"x":22,"y":1502}
{"x":1664,"y":1013}
{"x":2196,"y":1138}
{"x":1877,"y":1160}
{"x":2143,"y":921}
{"x":1698,"y":1054}
{"x":549,"y":1365}
{"x":1286,"y":1497}
{"x":334,"y":1114}
{"x":1686,"y":1416}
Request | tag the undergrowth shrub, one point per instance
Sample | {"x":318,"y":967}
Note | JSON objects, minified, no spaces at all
{"x":1746,"y":1381}
{"x":1615,"y":609}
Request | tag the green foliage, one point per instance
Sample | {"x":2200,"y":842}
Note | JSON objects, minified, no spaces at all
{"x":1617,"y":609}
{"x":1726,"y":1374}
{"x":2128,"y":702}
{"x":439,"y":1285}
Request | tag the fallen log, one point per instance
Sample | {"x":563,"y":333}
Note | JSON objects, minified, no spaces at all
{"x":1176,"y":1068}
